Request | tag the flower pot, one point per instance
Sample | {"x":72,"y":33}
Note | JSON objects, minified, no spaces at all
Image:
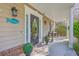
{"x":27,"y":49}
{"x":28,"y":54}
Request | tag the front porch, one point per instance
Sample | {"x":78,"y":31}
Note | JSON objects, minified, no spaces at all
{"x":38,"y":23}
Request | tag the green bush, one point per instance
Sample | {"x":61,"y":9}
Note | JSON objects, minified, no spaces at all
{"x":27,"y":48}
{"x":76,"y":47}
{"x":61,"y":29}
{"x":76,"y":29}
{"x":46,"y":39}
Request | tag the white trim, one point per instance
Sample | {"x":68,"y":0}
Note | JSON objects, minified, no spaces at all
{"x":25,"y":24}
{"x":67,"y":32}
{"x":29,"y":29}
{"x":71,"y":40}
{"x":42,"y":29}
{"x":39,"y":29}
{"x":28,"y":12}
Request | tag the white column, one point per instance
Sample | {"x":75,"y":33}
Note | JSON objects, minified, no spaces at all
{"x":54,"y":26}
{"x":29,"y":29}
{"x":41,"y":30}
{"x":67,"y":32}
{"x":71,"y":40}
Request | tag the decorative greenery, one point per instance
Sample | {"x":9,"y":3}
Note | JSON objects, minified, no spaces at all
{"x":34,"y":28}
{"x":61,"y":29}
{"x":76,"y":29}
{"x":27,"y":48}
{"x":46,"y":39}
{"x":76,"y":47}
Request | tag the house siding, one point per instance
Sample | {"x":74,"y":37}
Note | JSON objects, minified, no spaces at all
{"x":11,"y":35}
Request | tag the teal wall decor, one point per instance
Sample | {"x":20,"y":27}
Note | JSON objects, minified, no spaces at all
{"x":12,"y":20}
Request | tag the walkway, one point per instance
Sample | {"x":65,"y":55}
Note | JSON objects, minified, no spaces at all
{"x":60,"y":49}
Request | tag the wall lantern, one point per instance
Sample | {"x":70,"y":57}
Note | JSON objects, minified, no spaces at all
{"x":45,"y":22}
{"x":14,"y":11}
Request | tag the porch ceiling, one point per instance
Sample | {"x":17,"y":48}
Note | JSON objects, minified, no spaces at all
{"x":56,"y":11}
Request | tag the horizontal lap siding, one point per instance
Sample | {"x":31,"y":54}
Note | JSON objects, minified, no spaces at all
{"x":11,"y":35}
{"x":11,"y":38}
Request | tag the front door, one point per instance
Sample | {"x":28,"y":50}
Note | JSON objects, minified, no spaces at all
{"x":34,"y":29}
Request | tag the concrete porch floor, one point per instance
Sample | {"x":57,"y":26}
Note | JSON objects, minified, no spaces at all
{"x":61,"y":49}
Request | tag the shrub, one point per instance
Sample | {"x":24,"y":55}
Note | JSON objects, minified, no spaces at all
{"x":61,"y":29}
{"x":76,"y":29}
{"x":27,"y":48}
{"x":76,"y":47}
{"x":46,"y":39}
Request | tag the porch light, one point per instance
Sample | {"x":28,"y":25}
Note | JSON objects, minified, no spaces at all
{"x":14,"y":11}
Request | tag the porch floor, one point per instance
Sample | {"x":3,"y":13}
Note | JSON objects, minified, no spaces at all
{"x":39,"y":50}
{"x":59,"y":47}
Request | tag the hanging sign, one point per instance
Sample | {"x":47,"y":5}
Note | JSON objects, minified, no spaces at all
{"x":12,"y":20}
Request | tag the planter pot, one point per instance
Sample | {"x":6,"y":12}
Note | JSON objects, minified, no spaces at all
{"x":28,"y":54}
{"x":27,"y":49}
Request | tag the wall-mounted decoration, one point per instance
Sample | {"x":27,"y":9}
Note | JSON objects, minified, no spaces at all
{"x":34,"y":29}
{"x":45,"y":22}
{"x":14,"y":11}
{"x":50,"y":26}
{"x":12,"y":20}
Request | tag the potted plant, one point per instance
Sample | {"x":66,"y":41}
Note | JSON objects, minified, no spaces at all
{"x":27,"y":49}
{"x":46,"y":39}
